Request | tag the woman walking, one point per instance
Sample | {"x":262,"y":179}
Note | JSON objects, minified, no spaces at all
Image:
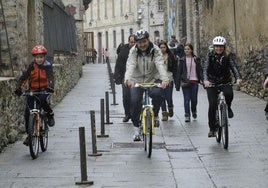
{"x":189,"y":75}
{"x":171,"y":65}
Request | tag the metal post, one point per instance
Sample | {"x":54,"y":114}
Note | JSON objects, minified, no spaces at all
{"x":113,"y":91}
{"x":107,"y":108}
{"x":83,"y":161}
{"x":102,"y":119}
{"x":93,"y":133}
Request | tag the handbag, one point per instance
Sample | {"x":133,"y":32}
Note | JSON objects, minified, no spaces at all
{"x":187,"y":84}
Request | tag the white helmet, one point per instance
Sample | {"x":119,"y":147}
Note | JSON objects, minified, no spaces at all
{"x":219,"y":40}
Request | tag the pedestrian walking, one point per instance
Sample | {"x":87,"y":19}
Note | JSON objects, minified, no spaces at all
{"x":119,"y":74}
{"x":106,"y":55}
{"x":145,"y":64}
{"x":189,"y":75}
{"x":217,"y":71}
{"x":38,"y":77}
{"x":171,"y":66}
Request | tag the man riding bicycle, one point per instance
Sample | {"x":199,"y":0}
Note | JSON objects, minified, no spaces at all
{"x":217,"y":71}
{"x":145,"y":64}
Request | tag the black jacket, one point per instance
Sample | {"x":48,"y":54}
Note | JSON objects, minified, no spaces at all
{"x":217,"y":68}
{"x":182,"y":71}
{"x":120,"y":66}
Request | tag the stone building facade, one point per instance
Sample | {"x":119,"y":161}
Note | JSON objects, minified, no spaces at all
{"x":243,"y":23}
{"x":112,"y":21}
{"x":25,"y":28}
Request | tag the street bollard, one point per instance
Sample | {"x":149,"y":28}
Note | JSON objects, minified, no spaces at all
{"x":102,"y":119}
{"x":107,"y":108}
{"x":93,"y":135}
{"x":113,"y":92}
{"x":83,"y":161}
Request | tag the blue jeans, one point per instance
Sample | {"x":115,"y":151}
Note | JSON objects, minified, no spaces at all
{"x":136,"y":102}
{"x":168,"y":97}
{"x":190,"y":96}
{"x":126,"y":99}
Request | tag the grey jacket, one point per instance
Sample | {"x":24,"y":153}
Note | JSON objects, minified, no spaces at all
{"x":146,"y":66}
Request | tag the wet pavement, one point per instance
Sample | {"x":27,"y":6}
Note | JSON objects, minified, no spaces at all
{"x":182,"y":156}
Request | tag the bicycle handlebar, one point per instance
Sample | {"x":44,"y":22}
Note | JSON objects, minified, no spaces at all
{"x":31,"y":93}
{"x":148,"y":85}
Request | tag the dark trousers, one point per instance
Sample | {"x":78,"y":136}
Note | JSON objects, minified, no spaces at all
{"x":212,"y":94}
{"x":126,"y":99}
{"x":190,"y":95}
{"x":168,"y":97}
{"x":136,"y":102}
{"x":43,"y":101}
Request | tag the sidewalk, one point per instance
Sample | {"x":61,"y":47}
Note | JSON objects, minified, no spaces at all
{"x":182,"y":156}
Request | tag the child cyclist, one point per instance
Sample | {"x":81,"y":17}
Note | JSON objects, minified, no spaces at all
{"x":39,"y":77}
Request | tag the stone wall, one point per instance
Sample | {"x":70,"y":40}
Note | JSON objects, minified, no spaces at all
{"x":25,"y":28}
{"x":67,"y":71}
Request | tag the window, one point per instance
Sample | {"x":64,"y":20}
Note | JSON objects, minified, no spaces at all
{"x":160,"y":5}
{"x":107,"y":39}
{"x":122,"y":36}
{"x":114,"y":36}
{"x":130,"y":31}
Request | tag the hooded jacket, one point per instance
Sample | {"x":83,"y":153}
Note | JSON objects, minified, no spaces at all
{"x":146,"y":66}
{"x":38,"y":77}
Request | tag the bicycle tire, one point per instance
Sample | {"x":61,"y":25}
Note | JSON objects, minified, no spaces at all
{"x":33,"y":139}
{"x":218,"y":124}
{"x":149,"y":133}
{"x":225,"y":133}
{"x":43,"y":135}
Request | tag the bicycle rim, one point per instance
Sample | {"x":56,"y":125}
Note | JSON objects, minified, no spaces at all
{"x":218,"y":123}
{"x":225,"y":134}
{"x":149,"y":133}
{"x":44,"y":135}
{"x":33,"y":139}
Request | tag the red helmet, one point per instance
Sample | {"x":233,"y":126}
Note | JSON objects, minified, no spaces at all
{"x":39,"y":50}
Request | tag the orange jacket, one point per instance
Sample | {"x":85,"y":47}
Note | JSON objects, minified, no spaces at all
{"x":38,"y":77}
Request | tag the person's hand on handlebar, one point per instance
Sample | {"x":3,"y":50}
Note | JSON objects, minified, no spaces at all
{"x":206,"y":83}
{"x":130,"y":83}
{"x":164,"y":84}
{"x":239,"y":82}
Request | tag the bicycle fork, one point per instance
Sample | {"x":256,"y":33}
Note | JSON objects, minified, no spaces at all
{"x":35,"y":112}
{"x":144,"y":127}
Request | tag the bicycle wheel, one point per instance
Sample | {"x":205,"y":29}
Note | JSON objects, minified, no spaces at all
{"x":218,"y":124}
{"x":43,"y":134}
{"x":32,"y":135}
{"x":225,"y":133}
{"x":149,"y":133}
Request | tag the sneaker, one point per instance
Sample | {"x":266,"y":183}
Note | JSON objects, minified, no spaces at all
{"x":211,"y":134}
{"x":26,"y":141}
{"x":137,"y":135}
{"x":50,"y":119}
{"x":187,"y":118}
{"x":156,"y":121}
{"x":170,"y":111}
{"x":194,"y":115}
{"x":126,"y":118}
{"x":230,"y":113}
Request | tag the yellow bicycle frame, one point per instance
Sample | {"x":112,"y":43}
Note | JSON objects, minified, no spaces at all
{"x":144,"y":127}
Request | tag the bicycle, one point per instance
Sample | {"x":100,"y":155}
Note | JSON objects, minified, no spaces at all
{"x":222,"y":133}
{"x":37,"y":125}
{"x":147,"y":117}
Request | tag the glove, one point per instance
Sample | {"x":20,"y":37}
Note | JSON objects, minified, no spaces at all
{"x":18,"y":92}
{"x":50,"y":90}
